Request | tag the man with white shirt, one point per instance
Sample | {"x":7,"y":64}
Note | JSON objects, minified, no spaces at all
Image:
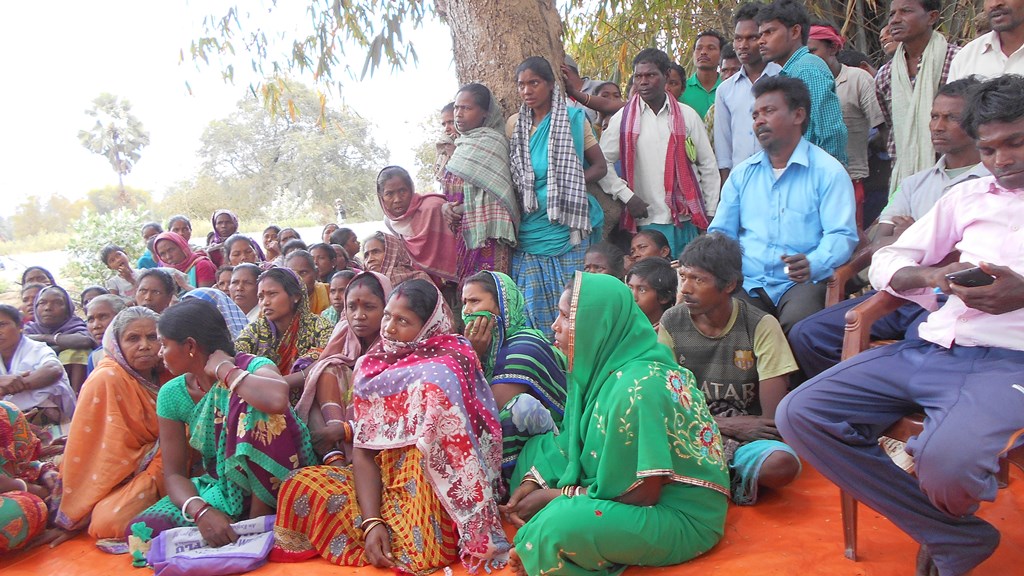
{"x":964,"y":372}
{"x":734,"y":101}
{"x":670,"y":176}
{"x":998,"y":52}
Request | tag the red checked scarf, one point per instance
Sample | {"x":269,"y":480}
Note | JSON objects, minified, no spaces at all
{"x":682,"y":191}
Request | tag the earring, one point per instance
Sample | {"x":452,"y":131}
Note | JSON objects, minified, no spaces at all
{"x":191,"y":354}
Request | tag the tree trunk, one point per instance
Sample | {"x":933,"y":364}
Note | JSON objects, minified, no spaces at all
{"x":492,"y":37}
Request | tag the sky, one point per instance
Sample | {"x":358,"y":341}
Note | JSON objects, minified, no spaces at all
{"x":60,"y":55}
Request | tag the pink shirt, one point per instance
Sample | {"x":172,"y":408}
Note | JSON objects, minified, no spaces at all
{"x":983,"y":221}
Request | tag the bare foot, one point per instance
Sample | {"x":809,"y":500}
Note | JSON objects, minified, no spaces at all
{"x":515,"y":563}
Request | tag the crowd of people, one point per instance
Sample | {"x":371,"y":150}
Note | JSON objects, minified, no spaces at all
{"x":608,"y":323}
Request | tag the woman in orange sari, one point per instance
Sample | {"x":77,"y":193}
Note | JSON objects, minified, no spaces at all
{"x":112,"y":468}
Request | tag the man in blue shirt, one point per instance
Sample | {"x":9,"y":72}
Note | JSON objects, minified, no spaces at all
{"x":784,"y":27}
{"x":790,"y":206}
{"x":734,"y":130}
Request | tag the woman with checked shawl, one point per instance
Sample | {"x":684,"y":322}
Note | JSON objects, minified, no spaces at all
{"x":554,"y":154}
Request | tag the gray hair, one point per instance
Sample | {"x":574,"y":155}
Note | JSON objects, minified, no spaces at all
{"x":116,"y":302}
{"x":126,"y":317}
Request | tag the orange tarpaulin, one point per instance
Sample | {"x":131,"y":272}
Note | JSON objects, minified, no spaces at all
{"x":796,"y":531}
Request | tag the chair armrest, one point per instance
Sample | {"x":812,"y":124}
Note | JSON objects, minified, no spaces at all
{"x":836,"y":291}
{"x":860,"y":319}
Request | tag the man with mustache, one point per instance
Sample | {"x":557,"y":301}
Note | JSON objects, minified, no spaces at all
{"x":817,"y":340}
{"x":906,"y":85}
{"x":699,"y":93}
{"x":999,"y":51}
{"x":784,"y":26}
{"x":734,"y":139}
{"x":670,"y":179}
{"x":790,"y":206}
{"x":964,"y":371}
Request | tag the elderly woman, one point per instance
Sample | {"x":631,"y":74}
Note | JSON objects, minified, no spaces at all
{"x":611,"y":489}
{"x":233,"y":409}
{"x":31,"y":375}
{"x":554,"y":156}
{"x":386,"y":254}
{"x":25,"y":481}
{"x":526,"y":373}
{"x":112,"y":469}
{"x":419,"y":494}
{"x":482,"y":207}
{"x":244,"y":290}
{"x":98,"y":316}
{"x":288,"y":334}
{"x":417,"y":220}
{"x":56,"y":325}
{"x":326,"y":400}
{"x":173,"y":251}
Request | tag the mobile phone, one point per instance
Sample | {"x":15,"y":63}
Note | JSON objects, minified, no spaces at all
{"x":970,"y":278}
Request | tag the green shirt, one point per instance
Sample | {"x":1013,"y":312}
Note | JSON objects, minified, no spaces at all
{"x":696,"y":97}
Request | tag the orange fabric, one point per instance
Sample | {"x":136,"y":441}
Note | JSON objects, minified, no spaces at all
{"x":113,"y":431}
{"x":320,"y":299}
{"x":318,"y":515}
{"x":795,"y":530}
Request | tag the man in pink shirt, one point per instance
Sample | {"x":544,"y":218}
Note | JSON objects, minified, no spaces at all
{"x":965,"y":372}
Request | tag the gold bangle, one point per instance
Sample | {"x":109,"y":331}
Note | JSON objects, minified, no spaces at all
{"x":373,"y":525}
{"x":362,"y":525}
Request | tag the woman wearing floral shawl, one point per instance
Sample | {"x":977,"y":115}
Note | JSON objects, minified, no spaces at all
{"x":482,"y":207}
{"x":112,"y":468}
{"x":287,"y":333}
{"x":637,"y":476}
{"x":554,"y":155}
{"x":527,"y":373}
{"x":25,"y":481}
{"x":426,"y":462}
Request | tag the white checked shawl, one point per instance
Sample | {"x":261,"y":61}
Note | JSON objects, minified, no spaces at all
{"x":567,"y":202}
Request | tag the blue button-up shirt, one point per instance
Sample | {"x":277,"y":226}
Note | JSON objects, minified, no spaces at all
{"x":734,"y":126}
{"x":808,"y":210}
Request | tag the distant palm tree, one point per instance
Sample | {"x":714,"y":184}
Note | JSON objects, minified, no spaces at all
{"x":117,"y":135}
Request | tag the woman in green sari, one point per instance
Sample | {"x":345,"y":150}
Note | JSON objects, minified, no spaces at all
{"x":526,"y":373}
{"x":554,"y":155}
{"x":637,"y":476}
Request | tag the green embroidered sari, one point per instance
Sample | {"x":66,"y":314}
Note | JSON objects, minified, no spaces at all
{"x":632,"y":414}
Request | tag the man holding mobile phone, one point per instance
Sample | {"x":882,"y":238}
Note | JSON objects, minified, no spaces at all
{"x":964,"y":372}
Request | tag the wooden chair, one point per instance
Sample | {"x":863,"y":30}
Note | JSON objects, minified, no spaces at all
{"x":860,"y":260}
{"x":856,"y":339}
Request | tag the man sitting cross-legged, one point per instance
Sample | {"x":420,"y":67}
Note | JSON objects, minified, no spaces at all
{"x":964,"y":372}
{"x":741,"y":361}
